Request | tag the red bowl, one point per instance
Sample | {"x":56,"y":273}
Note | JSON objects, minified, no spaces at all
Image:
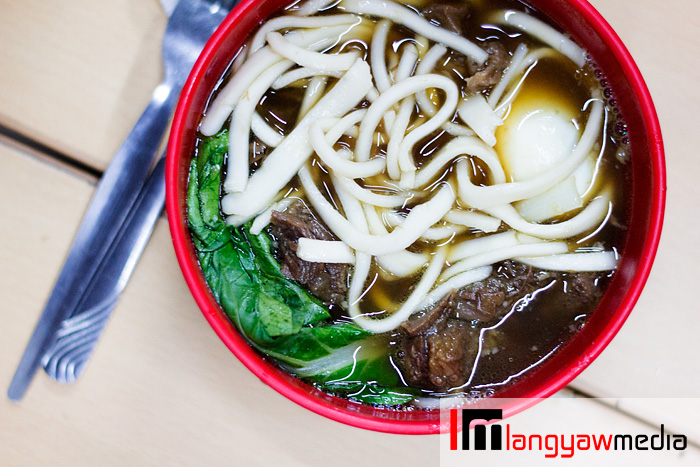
{"x":648,"y":186}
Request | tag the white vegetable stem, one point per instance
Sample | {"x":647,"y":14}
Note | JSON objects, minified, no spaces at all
{"x":284,"y":162}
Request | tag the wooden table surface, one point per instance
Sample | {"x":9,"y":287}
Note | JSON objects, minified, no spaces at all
{"x":161,"y":389}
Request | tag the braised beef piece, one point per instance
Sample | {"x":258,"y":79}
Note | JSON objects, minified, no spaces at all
{"x":256,"y":153}
{"x":494,"y":296}
{"x":438,"y":345}
{"x":327,"y":281}
{"x":422,"y":321}
{"x":451,"y":16}
{"x":439,"y":358}
{"x":482,"y":77}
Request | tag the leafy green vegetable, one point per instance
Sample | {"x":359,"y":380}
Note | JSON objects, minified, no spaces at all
{"x":370,"y":393}
{"x":275,"y":314}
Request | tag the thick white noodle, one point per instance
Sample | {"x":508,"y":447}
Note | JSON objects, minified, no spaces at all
{"x":363,"y":261}
{"x":239,"y":131}
{"x":398,"y":131}
{"x":455,"y":283}
{"x":425,"y":66}
{"x":314,"y":92}
{"x":541,"y":31}
{"x":313,"y":6}
{"x":493,"y":195}
{"x":523,"y":69}
{"x":297,"y":74}
{"x":402,"y":15}
{"x":433,"y":233}
{"x":324,"y":251}
{"x":409,"y":57}
{"x":265,"y":132}
{"x":494,"y":256}
{"x":411,"y":304}
{"x":418,"y":220}
{"x":508,"y":75}
{"x":401,"y":264}
{"x":394,"y":94}
{"x":478,"y":114}
{"x":253,"y":67}
{"x":474,"y":220}
{"x":464,"y":145}
{"x":368,"y":196}
{"x":575,"y":262}
{"x":334,"y":161}
{"x":345,"y":125}
{"x":226,"y":100}
{"x":284,"y":22}
{"x":310,"y":59}
{"x":588,"y":219}
{"x":403,"y":116}
{"x":286,"y":159}
{"x":482,"y":244}
{"x":378,"y":56}
{"x":444,"y":232}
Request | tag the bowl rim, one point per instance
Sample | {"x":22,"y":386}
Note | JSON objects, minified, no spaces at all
{"x":340,"y":409}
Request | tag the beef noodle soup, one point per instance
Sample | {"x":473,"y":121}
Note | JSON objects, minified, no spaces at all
{"x":398,"y":201}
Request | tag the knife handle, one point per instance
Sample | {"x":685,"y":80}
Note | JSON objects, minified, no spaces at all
{"x":77,"y":336}
{"x":109,"y":206}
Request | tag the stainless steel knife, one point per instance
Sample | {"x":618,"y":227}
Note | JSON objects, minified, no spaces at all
{"x":80,"y":281}
{"x":78,"y":335}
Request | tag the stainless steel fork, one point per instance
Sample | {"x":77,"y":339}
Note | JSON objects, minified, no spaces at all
{"x":192,"y":22}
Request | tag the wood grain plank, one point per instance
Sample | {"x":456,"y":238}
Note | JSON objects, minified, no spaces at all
{"x":161,"y":388}
{"x":76,"y":75}
{"x":655,"y":354}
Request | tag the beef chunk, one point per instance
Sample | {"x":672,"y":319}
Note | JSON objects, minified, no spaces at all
{"x":442,"y":357}
{"x":327,"y":281}
{"x":439,"y":345}
{"x":451,"y":16}
{"x":494,"y":296}
{"x":421,"y":322}
{"x":490,"y":73}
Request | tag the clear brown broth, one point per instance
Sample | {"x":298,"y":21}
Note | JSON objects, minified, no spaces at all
{"x":546,"y":318}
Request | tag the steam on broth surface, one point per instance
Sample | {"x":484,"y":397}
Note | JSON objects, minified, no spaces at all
{"x":423,"y":198}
